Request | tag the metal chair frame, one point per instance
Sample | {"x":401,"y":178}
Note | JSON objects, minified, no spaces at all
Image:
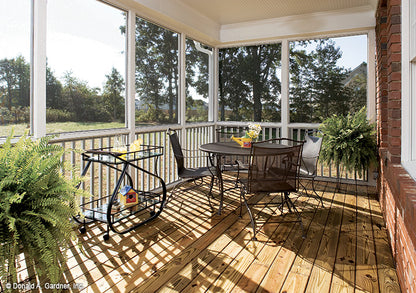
{"x":273,"y":170}
{"x":234,"y":164}
{"x":189,"y":174}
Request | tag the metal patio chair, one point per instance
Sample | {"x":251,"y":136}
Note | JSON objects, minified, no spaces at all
{"x":232,"y":164}
{"x":273,"y":168}
{"x":187,"y":174}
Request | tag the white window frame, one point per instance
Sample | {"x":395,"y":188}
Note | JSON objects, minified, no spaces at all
{"x":408,"y":148}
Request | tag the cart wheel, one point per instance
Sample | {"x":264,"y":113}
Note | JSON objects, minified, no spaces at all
{"x":152,"y":213}
{"x":106,"y":237}
{"x":82,"y":230}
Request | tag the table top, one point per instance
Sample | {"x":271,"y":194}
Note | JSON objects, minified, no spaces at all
{"x":232,"y":148}
{"x":225,"y":148}
{"x":109,"y":155}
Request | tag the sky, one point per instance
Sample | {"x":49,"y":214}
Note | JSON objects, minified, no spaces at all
{"x":88,"y":41}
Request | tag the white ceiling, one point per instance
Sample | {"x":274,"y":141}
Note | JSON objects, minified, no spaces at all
{"x":233,"y":22}
{"x":225,"y":12}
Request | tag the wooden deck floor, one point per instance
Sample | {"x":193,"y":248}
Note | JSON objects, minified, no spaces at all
{"x":346,"y":249}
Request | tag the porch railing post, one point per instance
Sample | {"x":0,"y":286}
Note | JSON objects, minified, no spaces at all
{"x":371,"y":73}
{"x":182,"y":86}
{"x":285,"y":89}
{"x":215,"y":84}
{"x":38,"y":69}
{"x":130,"y":76}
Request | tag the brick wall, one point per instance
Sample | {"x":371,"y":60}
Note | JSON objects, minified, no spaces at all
{"x":397,"y":188}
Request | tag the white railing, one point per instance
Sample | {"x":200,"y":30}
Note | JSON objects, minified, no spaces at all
{"x":296,"y":131}
{"x":102,"y":179}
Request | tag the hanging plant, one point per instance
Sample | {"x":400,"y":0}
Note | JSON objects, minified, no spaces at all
{"x":349,"y":142}
{"x":36,"y":204}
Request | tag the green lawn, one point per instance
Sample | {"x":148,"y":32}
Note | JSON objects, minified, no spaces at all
{"x":60,"y":127}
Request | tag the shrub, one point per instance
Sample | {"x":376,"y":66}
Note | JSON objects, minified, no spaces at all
{"x":57,"y":115}
{"x":15,"y":115}
{"x":350,"y":141}
{"x":36,"y":203}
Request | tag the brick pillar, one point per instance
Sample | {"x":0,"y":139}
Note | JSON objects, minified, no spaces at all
{"x":381,"y":80}
{"x":397,"y":189}
{"x":394,"y":80}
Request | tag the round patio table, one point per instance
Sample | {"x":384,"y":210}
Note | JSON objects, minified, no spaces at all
{"x":225,"y":148}
{"x":221,"y":149}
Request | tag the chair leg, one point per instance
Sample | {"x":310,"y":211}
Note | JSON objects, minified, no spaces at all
{"x":171,"y":196}
{"x":241,"y":202}
{"x":253,"y":221}
{"x":316,"y":194}
{"x":289,"y":201}
{"x":210,"y":186}
{"x":238,"y":175}
{"x":209,"y":195}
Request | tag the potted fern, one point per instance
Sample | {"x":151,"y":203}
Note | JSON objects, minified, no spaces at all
{"x":36,"y":204}
{"x":349,"y":142}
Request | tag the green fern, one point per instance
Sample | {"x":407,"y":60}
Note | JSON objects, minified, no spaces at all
{"x":36,"y":205}
{"x":349,"y":141}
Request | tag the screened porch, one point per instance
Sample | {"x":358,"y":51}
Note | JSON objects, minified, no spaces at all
{"x":197,"y":66}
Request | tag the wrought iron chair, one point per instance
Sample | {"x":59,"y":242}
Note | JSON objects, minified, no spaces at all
{"x":232,"y":164}
{"x":309,"y":163}
{"x":187,"y":174}
{"x":273,"y":168}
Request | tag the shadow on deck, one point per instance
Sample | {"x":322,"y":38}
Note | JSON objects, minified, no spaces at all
{"x":191,"y":248}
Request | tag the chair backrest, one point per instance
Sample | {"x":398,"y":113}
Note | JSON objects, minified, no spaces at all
{"x":177,"y":149}
{"x":274,"y":167}
{"x":310,"y":154}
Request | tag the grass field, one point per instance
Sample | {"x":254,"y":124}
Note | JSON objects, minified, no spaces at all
{"x":60,"y":127}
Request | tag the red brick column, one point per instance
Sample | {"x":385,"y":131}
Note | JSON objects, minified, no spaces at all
{"x":394,"y":79}
{"x":396,"y":187}
{"x":382,"y":80}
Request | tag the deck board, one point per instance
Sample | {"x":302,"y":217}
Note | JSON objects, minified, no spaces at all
{"x":321,"y":274}
{"x":344,"y":269}
{"x":190,"y":248}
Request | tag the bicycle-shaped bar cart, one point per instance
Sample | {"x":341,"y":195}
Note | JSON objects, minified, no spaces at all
{"x":141,"y":206}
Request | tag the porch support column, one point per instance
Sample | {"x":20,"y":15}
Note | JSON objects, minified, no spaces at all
{"x":215,"y":81}
{"x":130,"y":75}
{"x":38,"y":69}
{"x":371,"y":90}
{"x":182,"y":86}
{"x":371,"y":73}
{"x":285,"y":90}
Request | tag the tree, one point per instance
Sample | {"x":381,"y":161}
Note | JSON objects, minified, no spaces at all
{"x":317,"y":89}
{"x":112,"y":97}
{"x":22,"y":69}
{"x":14,"y":90}
{"x":84,"y":102}
{"x":253,"y":73}
{"x":197,"y":79}
{"x":231,"y":87}
{"x":156,"y":68}
{"x":301,"y":101}
{"x":358,"y":89}
{"x":8,"y":80}
{"x":53,"y":91}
